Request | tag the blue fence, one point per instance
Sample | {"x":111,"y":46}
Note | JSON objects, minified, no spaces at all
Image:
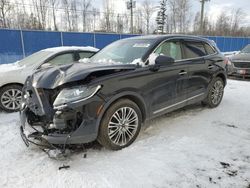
{"x":16,"y":44}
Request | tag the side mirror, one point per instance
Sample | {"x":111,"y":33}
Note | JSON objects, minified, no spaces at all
{"x":163,"y":60}
{"x":45,"y":65}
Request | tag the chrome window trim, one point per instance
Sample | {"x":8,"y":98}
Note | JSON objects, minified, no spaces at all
{"x":187,"y":59}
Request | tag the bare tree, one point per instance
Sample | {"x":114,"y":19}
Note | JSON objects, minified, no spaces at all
{"x":41,"y":9}
{"x":95,"y":13}
{"x":236,"y":19}
{"x":222,"y":25}
{"x":196,"y":23}
{"x":66,"y":6}
{"x":180,"y":15}
{"x":138,"y":26}
{"x":108,"y":14}
{"x":5,"y":8}
{"x":147,"y":11}
{"x":85,"y":5}
{"x":172,"y":16}
{"x":74,"y":15}
{"x":54,"y":5}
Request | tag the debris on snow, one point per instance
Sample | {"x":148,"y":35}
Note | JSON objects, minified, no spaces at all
{"x":64,"y":167}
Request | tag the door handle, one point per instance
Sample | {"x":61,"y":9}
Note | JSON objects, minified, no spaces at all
{"x":210,"y":66}
{"x":182,"y":72}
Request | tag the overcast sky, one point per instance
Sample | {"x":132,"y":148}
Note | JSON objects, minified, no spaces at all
{"x":213,"y":7}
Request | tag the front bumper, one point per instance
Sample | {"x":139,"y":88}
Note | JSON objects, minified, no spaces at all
{"x":85,"y":133}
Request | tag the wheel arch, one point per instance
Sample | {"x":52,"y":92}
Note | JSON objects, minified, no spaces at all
{"x":136,"y":98}
{"x":13,"y":83}
{"x":223,"y":77}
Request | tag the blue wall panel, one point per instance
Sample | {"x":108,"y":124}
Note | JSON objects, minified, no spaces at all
{"x":220,"y":43}
{"x":10,"y":46}
{"x":78,"y":39}
{"x":123,"y":36}
{"x":227,"y":45}
{"x":35,"y":41}
{"x":234,"y":44}
{"x":103,"y":40}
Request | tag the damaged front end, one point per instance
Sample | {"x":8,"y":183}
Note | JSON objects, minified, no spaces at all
{"x":45,"y":120}
{"x":60,"y":107}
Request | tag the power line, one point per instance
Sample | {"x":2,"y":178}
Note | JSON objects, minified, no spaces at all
{"x":70,"y":9}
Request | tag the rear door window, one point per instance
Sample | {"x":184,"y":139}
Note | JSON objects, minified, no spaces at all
{"x":193,"y":49}
{"x":62,"y":59}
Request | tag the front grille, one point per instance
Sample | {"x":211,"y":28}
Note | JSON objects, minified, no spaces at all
{"x":242,"y":65}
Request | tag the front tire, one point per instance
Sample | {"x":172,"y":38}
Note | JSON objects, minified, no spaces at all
{"x":10,"y":98}
{"x":215,"y":92}
{"x":120,"y":125}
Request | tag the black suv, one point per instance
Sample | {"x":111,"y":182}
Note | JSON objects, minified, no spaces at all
{"x":128,"y":82}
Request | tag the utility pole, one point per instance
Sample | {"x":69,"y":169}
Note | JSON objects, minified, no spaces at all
{"x":202,"y":14}
{"x":130,"y":6}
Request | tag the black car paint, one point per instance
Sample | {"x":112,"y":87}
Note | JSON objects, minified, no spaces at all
{"x":155,"y":91}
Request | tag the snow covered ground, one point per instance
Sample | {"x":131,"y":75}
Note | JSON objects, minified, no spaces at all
{"x":192,"y":147}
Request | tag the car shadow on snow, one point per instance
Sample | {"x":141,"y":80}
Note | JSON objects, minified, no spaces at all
{"x":95,"y":146}
{"x":188,"y":110}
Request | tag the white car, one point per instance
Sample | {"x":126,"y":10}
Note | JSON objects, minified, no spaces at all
{"x":13,"y":76}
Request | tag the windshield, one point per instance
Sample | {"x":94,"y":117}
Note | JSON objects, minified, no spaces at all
{"x":246,"y":49}
{"x":34,"y":58}
{"x":123,"y":51}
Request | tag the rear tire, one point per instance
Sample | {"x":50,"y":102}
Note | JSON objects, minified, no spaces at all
{"x":10,"y":98}
{"x":215,"y":93}
{"x":120,"y":125}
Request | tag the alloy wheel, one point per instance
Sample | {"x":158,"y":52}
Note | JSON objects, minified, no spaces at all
{"x":123,"y":126}
{"x":217,"y":92}
{"x":11,"y":99}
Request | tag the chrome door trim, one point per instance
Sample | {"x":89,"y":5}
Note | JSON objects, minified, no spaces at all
{"x":173,"y":105}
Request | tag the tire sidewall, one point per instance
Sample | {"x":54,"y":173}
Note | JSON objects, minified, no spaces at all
{"x":209,"y":97}
{"x":103,"y":137}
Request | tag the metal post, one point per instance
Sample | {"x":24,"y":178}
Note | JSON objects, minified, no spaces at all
{"x":130,"y":6}
{"x":22,"y":43}
{"x":94,"y":40}
{"x":202,"y":15}
{"x":61,"y":38}
{"x":131,"y":14}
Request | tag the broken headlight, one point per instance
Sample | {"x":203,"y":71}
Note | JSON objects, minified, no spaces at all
{"x":75,"y":94}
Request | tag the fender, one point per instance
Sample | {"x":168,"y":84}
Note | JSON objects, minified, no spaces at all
{"x":221,"y":74}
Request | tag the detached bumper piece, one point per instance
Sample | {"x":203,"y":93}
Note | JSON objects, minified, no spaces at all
{"x":36,"y":139}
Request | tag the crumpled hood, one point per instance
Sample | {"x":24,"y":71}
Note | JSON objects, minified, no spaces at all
{"x":241,"y":57}
{"x":53,"y":77}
